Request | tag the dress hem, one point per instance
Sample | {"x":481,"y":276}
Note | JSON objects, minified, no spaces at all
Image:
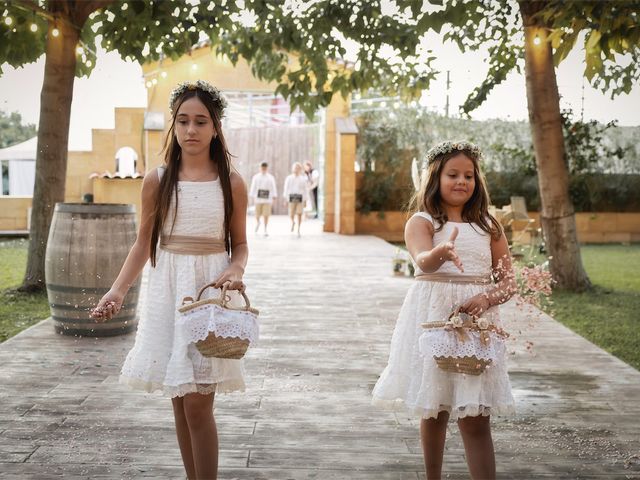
{"x":460,"y":411}
{"x":171,"y":391}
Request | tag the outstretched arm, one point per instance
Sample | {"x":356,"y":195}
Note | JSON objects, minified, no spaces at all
{"x":111,"y":302}
{"x":418,"y":236}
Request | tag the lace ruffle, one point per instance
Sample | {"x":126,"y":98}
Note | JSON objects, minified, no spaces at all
{"x":184,"y":389}
{"x":455,"y":413}
{"x":197,"y":323}
{"x":442,"y":343}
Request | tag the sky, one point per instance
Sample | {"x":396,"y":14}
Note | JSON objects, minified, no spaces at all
{"x":117,"y":83}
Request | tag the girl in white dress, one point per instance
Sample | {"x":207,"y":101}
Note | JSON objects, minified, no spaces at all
{"x":193,"y":231}
{"x":457,"y":248}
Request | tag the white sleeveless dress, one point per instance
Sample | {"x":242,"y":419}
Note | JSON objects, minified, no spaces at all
{"x":414,"y":382}
{"x":161,"y":358}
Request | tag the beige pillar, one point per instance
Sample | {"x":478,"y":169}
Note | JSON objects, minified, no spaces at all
{"x":344,"y":180}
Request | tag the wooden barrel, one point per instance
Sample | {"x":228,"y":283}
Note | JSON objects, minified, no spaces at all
{"x":88,"y":244}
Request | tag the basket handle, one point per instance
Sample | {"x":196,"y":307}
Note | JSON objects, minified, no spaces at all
{"x":223,"y":295}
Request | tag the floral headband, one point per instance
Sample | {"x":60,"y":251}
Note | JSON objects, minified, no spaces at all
{"x":448,"y":147}
{"x":219,"y":101}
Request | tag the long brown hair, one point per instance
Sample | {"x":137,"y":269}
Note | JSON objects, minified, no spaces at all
{"x":169,"y":182}
{"x":476,"y":210}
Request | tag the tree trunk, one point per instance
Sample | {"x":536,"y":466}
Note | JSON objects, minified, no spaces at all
{"x":557,"y":216}
{"x":53,"y":139}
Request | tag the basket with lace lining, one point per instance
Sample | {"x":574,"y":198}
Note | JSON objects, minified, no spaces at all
{"x":218,"y":329}
{"x":462,"y":345}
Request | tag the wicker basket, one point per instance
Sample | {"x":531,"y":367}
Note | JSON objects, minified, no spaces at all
{"x":468,"y":365}
{"x":216,"y":346}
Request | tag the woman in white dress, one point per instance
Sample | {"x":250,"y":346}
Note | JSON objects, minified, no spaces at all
{"x":296,"y":194}
{"x":193,"y":231}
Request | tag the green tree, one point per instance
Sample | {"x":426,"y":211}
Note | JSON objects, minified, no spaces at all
{"x":12,"y":130}
{"x":263,"y":33}
{"x":539,"y":34}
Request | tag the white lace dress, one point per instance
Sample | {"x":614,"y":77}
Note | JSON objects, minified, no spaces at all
{"x":415,"y":382}
{"x":161,"y":358}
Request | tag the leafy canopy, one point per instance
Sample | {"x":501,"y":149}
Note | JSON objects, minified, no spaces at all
{"x":382,"y":39}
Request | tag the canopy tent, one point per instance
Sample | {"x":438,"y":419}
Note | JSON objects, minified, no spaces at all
{"x":19,"y":176}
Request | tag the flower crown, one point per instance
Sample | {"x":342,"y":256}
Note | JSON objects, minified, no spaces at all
{"x":448,"y":147}
{"x":219,"y":101}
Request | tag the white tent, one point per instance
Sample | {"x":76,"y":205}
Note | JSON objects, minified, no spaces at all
{"x":21,"y":161}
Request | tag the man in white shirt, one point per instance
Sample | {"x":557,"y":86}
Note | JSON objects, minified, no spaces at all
{"x":263,"y":192}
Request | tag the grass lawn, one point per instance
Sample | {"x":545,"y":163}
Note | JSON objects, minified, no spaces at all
{"x":17,"y":310}
{"x":609,"y":316}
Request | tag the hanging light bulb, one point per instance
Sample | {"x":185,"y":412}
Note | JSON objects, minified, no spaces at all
{"x":89,"y":63}
{"x":154,"y":81}
{"x":79,"y":50}
{"x":149,"y":84}
{"x":163,"y":74}
{"x":55,"y":32}
{"x":194,"y":66}
{"x":34,"y":27}
{"x":8,"y":21}
{"x":536,"y":40}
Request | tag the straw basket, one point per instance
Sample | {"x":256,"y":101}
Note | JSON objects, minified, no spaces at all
{"x":218,"y":346}
{"x":461,"y":337}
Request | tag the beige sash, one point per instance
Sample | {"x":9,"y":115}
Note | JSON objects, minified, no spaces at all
{"x":190,"y":245}
{"x":453,"y":278}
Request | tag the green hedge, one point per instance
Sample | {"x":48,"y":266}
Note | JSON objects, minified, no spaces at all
{"x":591,"y":192}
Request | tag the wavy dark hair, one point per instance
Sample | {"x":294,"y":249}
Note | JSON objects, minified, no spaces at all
{"x":169,"y":182}
{"x":476,"y":210}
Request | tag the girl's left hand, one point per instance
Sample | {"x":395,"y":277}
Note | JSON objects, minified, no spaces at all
{"x":476,"y":305}
{"x":233,"y":276}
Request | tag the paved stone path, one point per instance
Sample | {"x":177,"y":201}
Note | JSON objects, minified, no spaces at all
{"x":328,"y":306}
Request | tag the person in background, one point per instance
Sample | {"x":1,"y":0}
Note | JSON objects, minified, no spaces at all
{"x":313,"y":180}
{"x":263,"y":191}
{"x":295,"y":194}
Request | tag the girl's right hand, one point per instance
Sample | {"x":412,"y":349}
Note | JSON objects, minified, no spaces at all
{"x":108,"y":306}
{"x":446,"y":251}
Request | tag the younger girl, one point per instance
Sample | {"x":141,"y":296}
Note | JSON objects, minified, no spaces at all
{"x":295,"y":194}
{"x":457,"y":247}
{"x":193,"y":230}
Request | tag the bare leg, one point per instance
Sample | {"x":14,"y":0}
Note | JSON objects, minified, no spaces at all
{"x":478,"y":445}
{"x":299,"y":222}
{"x":198,"y":410}
{"x":257,"y":223}
{"x":433,"y":432}
{"x":292,"y":215}
{"x":266,"y":222}
{"x":184,"y":438}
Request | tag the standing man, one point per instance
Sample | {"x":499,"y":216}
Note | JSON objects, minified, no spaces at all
{"x":263,"y":192}
{"x":313,"y":180}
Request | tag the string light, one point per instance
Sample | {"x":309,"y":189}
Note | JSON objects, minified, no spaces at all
{"x":8,"y":21}
{"x":154,"y":81}
{"x":79,"y":50}
{"x":55,"y":32}
{"x":163,"y":74}
{"x":194,"y":66}
{"x":34,"y":27}
{"x":89,"y":63}
{"x":536,"y":40}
